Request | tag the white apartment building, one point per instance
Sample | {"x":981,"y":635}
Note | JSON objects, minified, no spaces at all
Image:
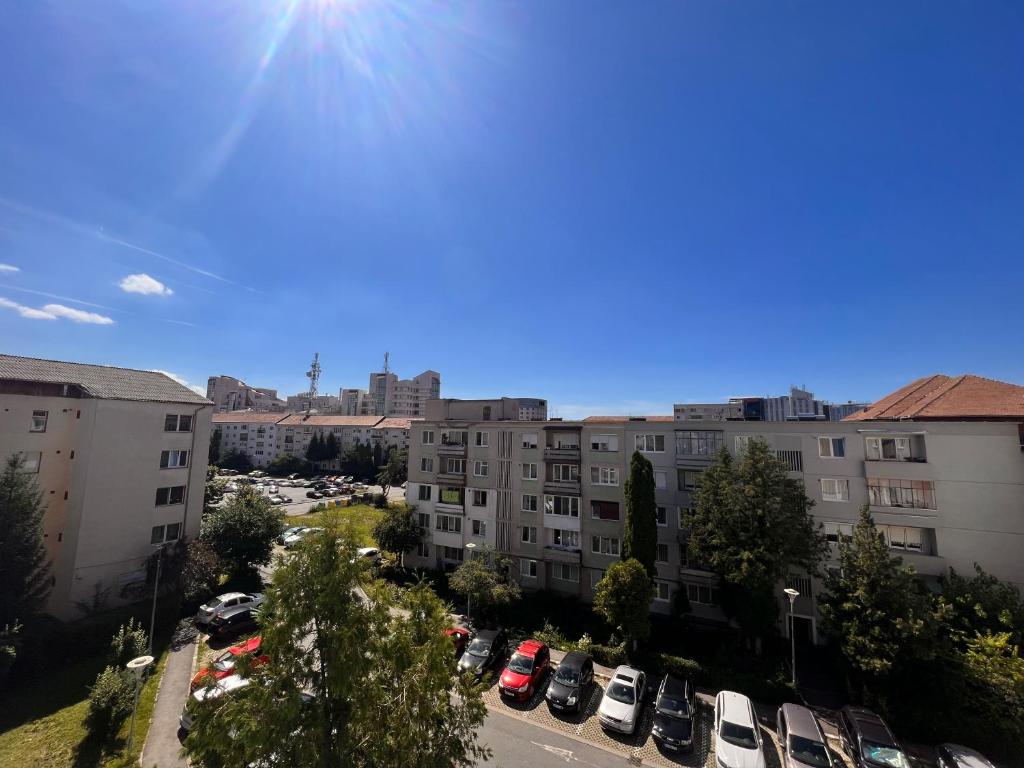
{"x":945,"y":485}
{"x":387,"y":395}
{"x":253,"y":434}
{"x":120,"y":458}
{"x":230,"y":394}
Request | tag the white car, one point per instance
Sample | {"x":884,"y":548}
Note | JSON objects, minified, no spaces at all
{"x":368,"y":554}
{"x":623,"y":700}
{"x":296,"y":538}
{"x":223,"y":686}
{"x":737,"y":738}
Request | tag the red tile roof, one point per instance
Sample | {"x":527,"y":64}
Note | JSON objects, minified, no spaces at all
{"x":247,"y":417}
{"x":621,"y":419}
{"x":949,"y":398}
{"x":396,"y":422}
{"x":328,"y":420}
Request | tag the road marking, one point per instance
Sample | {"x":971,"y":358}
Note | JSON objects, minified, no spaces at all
{"x":565,"y":754}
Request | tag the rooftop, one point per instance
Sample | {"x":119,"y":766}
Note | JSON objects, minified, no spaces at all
{"x":100,"y":381}
{"x":396,"y":422}
{"x":247,"y":417}
{"x":627,"y":419}
{"x":328,"y":420}
{"x":948,"y":398}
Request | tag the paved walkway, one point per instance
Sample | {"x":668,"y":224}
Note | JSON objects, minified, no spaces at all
{"x":162,"y":746}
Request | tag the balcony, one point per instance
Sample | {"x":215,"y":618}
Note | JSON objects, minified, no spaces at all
{"x":457,"y":450}
{"x":450,"y":508}
{"x":451,"y":478}
{"x":562,"y":487}
{"x":555,"y":554}
{"x":570,"y":455}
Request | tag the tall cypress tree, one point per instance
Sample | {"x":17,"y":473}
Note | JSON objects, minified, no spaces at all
{"x":330,"y":447}
{"x":24,"y":566}
{"x":315,"y":450}
{"x":641,"y":529}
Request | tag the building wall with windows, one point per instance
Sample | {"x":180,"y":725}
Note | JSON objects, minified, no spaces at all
{"x":254,"y":434}
{"x":230,"y":394}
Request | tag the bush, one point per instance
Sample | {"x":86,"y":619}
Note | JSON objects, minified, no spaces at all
{"x":380,"y":501}
{"x":129,"y":642}
{"x":609,"y":655}
{"x":110,"y":701}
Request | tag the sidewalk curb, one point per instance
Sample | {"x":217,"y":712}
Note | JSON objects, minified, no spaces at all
{"x":159,"y":687}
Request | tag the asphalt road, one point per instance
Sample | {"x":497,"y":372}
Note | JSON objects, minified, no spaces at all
{"x":518,"y":744}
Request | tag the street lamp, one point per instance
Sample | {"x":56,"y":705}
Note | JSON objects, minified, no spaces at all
{"x":137,"y":667}
{"x":156,"y":586}
{"x":471,"y":546}
{"x":792,"y":594}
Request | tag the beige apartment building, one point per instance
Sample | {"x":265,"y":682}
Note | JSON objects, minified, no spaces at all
{"x":230,"y":394}
{"x":946,"y":487}
{"x":387,"y":395}
{"x":120,"y":458}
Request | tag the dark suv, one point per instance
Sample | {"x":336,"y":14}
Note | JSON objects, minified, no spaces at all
{"x":674,"y":710}
{"x":484,"y":651}
{"x":570,"y":682}
{"x":868,"y":741}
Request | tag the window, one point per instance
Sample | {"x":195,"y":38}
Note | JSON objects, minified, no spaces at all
{"x":901,"y":538}
{"x":662,"y":592}
{"x":565,"y":506}
{"x":452,"y":496}
{"x":452,"y":553}
{"x":604,"y":443}
{"x":456,"y":467}
{"x":172,"y":495}
{"x":792,"y":460}
{"x":595,"y":578}
{"x":424,"y":520}
{"x":422,"y":549}
{"x":835,"y":489}
{"x":660,"y":479}
{"x":565,"y":473}
{"x":604,"y":475}
{"x":886,"y":492}
{"x":662,"y":556}
{"x":480,"y":469}
{"x":482,"y":439}
{"x":174,"y":422}
{"x":424,"y":493}
{"x":528,"y":568}
{"x":454,"y":438}
{"x":479,"y":527}
{"x":685,"y":513}
{"x":529,"y":502}
{"x":448,"y":523}
{"x":832,"y":447}
{"x":566,"y":572}
{"x":529,"y":439}
{"x":743,"y":441}
{"x":604,"y":510}
{"x":164,"y":533}
{"x":688,"y":479}
{"x":604,"y":545}
{"x":698,"y":442}
{"x":560,"y":538}
{"x":702,"y":594}
{"x":650,"y":443}
{"x":172,"y":459}
{"x":834,"y":530}
{"x":39,"y":421}
{"x":529,"y":471}
{"x":428,"y":437}
{"x":887,"y":448}
{"x":479,"y":498}
{"x":31,"y":461}
{"x":427,"y":464}
{"x":661,"y":516}
{"x":529,"y":534}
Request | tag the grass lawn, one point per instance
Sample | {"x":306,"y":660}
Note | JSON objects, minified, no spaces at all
{"x":361,"y":517}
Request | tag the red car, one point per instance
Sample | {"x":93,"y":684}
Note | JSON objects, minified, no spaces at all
{"x":459,"y":636}
{"x":224,"y":665}
{"x":524,"y":670}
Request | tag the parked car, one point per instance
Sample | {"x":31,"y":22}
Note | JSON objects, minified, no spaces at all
{"x":459,"y":636}
{"x":224,"y":665}
{"x":525,"y":671}
{"x":675,"y":707}
{"x":958,"y":756}
{"x":487,"y":648}
{"x":284,"y":499}
{"x":223,"y":687}
{"x":228,"y":601}
{"x":291,"y":531}
{"x":296,"y":538}
{"x":737,"y":738}
{"x":314,"y":495}
{"x":368,"y":554}
{"x":293,"y":476}
{"x":623,"y":700}
{"x":275,"y":500}
{"x":570,"y":682}
{"x":868,"y":741}
{"x":231,"y":488}
{"x":803,"y":744}
{"x":234,"y":621}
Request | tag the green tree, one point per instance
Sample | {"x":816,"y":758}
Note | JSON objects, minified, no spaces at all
{"x":395,"y":472}
{"x":378,"y":456}
{"x":640,"y":534}
{"x":285,"y":465}
{"x":242,"y":532}
{"x":875,"y":611}
{"x":398,"y":531}
{"x":979,"y":604}
{"x":752,"y":525}
{"x":994,"y":671}
{"x":330,"y":448}
{"x":380,"y":674}
{"x":199,"y":572}
{"x":213,"y":492}
{"x":315,"y":449}
{"x":214,"y":453}
{"x":623,"y":599}
{"x":235,"y":460}
{"x":485,"y":580}
{"x":24,"y":565}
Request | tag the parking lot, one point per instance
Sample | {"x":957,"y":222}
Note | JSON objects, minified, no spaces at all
{"x":300,"y":505}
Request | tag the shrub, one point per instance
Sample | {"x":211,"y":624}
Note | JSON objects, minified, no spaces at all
{"x":609,"y":655}
{"x":110,"y":701}
{"x":128,"y":642}
{"x":380,"y":501}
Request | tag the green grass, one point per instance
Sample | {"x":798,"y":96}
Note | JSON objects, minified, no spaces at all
{"x":361,"y":517}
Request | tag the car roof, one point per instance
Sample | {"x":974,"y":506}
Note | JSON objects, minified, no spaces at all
{"x":967,"y":757}
{"x":870,"y":725}
{"x":457,"y":631}
{"x":530,"y":647}
{"x":574,"y":660}
{"x":236,"y":609}
{"x":487,"y":634}
{"x":800,"y":722}
{"x":224,"y":685}
{"x":250,"y":645}
{"x":626,"y":673}
{"x":230,"y":596}
{"x":734,"y":707}
{"x":674,"y":686}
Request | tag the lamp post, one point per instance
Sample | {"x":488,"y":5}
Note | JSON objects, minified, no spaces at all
{"x":792,"y":594}
{"x":137,"y":667}
{"x":156,"y":587}
{"x":471,"y":546}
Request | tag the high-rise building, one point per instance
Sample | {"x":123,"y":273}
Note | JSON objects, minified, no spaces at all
{"x":230,"y":394}
{"x":387,"y":395}
{"x":120,"y":458}
{"x":798,"y":405}
{"x":320,"y":403}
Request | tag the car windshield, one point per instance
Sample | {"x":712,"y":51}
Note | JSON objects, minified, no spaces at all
{"x":673,"y":707}
{"x":882,"y":754}
{"x":479,"y":648}
{"x":809,"y":752}
{"x":567,"y":676}
{"x":521,"y":664}
{"x":738,"y":735}
{"x":215,"y":603}
{"x":622,"y":693}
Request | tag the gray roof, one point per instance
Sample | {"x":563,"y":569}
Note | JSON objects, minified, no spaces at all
{"x":100,"y":381}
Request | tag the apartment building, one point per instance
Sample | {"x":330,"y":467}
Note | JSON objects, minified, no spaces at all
{"x":353,"y":402}
{"x":303,"y":402}
{"x":387,"y":395}
{"x":798,"y":405}
{"x":297,"y":429}
{"x":392,"y":432}
{"x":945,"y":485}
{"x":499,"y":409}
{"x":250,"y":433}
{"x":230,"y":394}
{"x":120,"y":458}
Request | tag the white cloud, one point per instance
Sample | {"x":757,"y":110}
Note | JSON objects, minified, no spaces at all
{"x":181,"y":380}
{"x":26,"y":312}
{"x":77,"y":315}
{"x":144,"y":284}
{"x":8,"y":268}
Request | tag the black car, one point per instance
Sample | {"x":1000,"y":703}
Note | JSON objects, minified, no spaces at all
{"x":674,"y":709}
{"x":868,"y":741}
{"x":570,"y":682}
{"x":234,"y":621}
{"x":484,"y":651}
{"x":957,"y":756}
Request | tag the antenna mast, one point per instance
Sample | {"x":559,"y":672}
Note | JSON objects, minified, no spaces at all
{"x":386,"y":363}
{"x":313,"y":374}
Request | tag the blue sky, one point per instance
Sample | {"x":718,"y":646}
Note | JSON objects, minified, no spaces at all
{"x":616,"y":206}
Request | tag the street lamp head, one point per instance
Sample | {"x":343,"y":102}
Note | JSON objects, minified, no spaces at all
{"x":791,"y":593}
{"x":138,"y":665}
{"x":471,"y":546}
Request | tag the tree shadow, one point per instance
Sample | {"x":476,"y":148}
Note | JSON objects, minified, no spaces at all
{"x":92,"y":751}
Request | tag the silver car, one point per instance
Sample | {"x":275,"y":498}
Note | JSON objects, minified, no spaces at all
{"x":803,"y":743}
{"x":623,"y":700}
{"x":225,"y":602}
{"x":223,"y":686}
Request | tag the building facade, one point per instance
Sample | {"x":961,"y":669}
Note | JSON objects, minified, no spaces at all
{"x":230,"y":394}
{"x":321,"y":403}
{"x":250,"y":433}
{"x":120,"y":458}
{"x":387,"y":395}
